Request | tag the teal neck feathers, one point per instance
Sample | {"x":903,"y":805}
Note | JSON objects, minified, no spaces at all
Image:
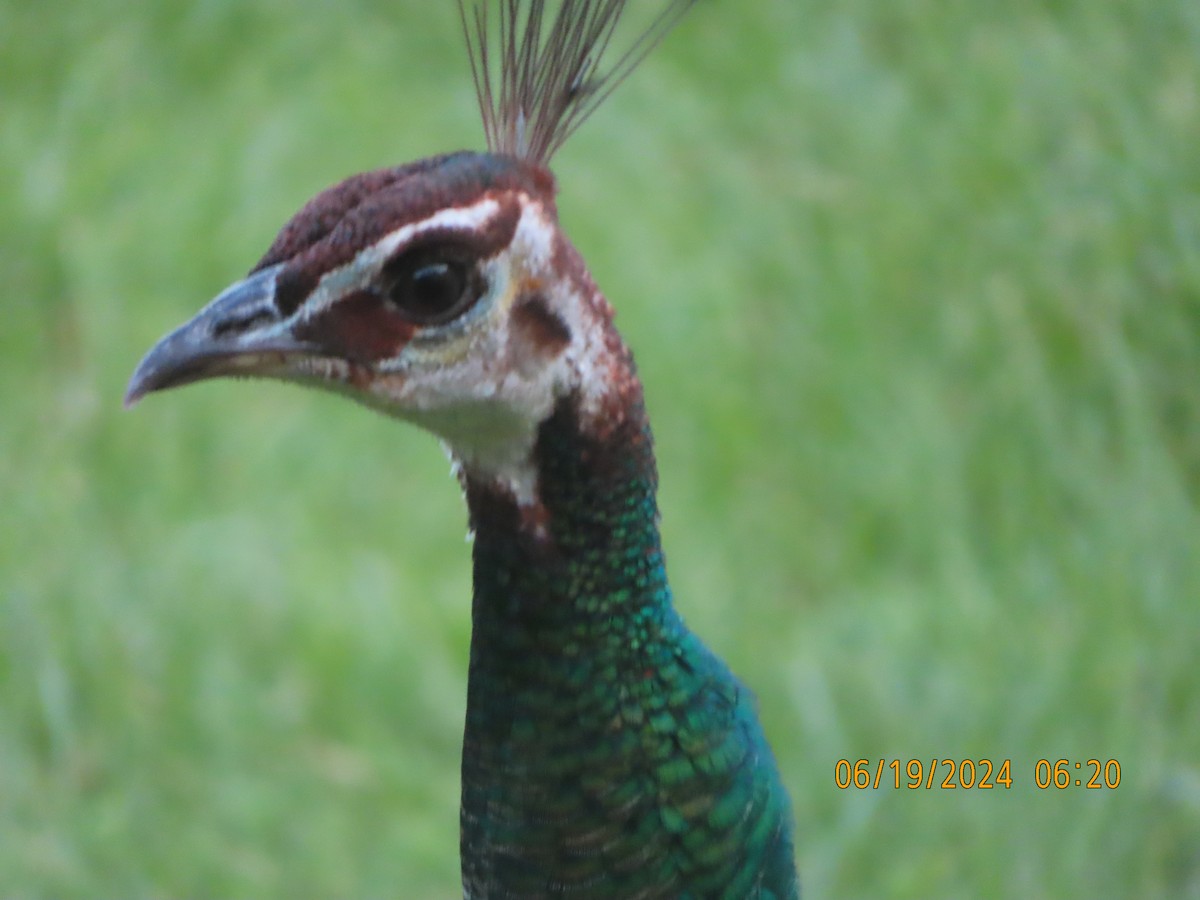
{"x":607,"y":752}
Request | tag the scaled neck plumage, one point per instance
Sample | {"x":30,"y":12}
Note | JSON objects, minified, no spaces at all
{"x":572,"y":623}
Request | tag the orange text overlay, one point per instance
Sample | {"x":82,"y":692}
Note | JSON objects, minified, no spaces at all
{"x":972,"y":774}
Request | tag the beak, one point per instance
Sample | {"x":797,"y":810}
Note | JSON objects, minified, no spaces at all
{"x":239,"y":333}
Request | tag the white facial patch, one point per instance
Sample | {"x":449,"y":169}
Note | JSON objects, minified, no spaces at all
{"x":491,"y":402}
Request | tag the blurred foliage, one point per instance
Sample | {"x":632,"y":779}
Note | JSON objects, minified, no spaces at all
{"x":915,"y":291}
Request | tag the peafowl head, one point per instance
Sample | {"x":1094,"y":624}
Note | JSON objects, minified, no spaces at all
{"x":444,"y":292}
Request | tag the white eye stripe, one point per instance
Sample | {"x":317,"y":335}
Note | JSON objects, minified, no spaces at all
{"x":367,"y":262}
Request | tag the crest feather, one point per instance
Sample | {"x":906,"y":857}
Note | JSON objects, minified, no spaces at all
{"x":550,"y":78}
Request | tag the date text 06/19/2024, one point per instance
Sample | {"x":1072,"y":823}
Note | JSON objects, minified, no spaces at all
{"x":973,"y":774}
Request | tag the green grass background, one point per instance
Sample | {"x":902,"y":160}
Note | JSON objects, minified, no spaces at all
{"x":915,"y":291}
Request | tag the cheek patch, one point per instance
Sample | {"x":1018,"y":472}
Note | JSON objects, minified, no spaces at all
{"x":361,"y":327}
{"x":538,"y":328}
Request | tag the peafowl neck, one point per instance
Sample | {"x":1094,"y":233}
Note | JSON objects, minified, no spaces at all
{"x":580,"y":568}
{"x":571,"y":590}
{"x":570,"y":597}
{"x":607,"y":752}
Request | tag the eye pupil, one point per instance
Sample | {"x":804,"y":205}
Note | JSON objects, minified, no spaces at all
{"x":436,"y":286}
{"x":432,"y":291}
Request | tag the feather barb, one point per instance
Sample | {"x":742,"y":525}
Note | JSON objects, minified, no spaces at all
{"x":537,"y":82}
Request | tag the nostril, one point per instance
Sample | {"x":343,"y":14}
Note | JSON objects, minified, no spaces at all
{"x":241,"y":322}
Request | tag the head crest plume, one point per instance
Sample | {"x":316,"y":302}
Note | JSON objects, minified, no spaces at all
{"x":550,"y":78}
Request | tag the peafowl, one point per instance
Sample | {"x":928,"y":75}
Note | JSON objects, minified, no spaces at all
{"x":607,"y":752}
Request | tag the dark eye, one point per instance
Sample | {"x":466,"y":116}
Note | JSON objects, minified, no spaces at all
{"x":431,"y":289}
